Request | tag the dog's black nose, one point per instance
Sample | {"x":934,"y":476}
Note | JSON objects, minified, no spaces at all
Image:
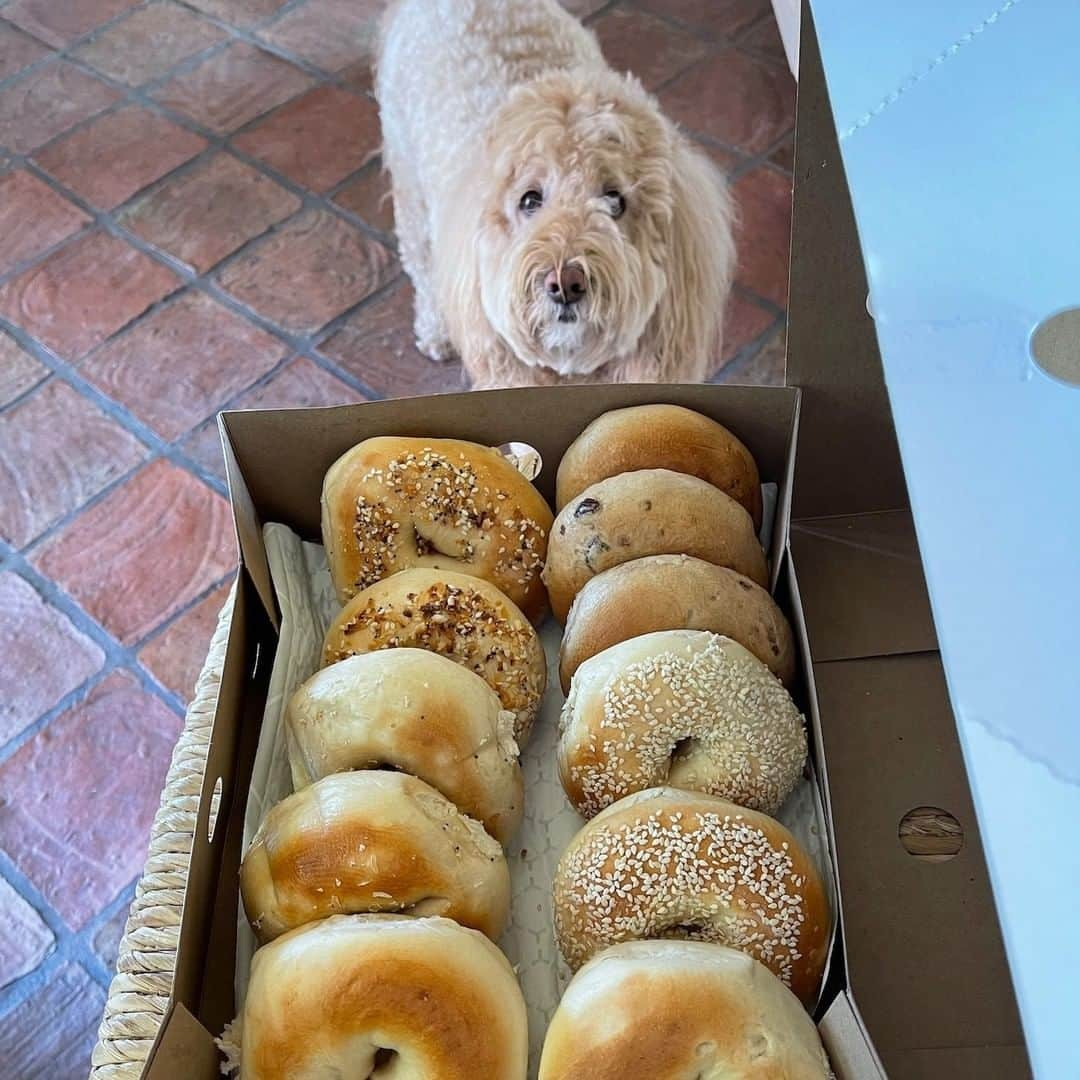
{"x":567,"y":285}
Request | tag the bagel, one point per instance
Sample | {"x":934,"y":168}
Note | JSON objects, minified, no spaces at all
{"x":679,"y":864}
{"x":675,"y":592}
{"x":460,"y":617}
{"x":685,"y":708}
{"x":372,"y":995}
{"x":660,"y":437}
{"x":417,"y":712}
{"x":649,"y":512}
{"x":675,"y":1009}
{"x":367,"y":842}
{"x":393,"y":503}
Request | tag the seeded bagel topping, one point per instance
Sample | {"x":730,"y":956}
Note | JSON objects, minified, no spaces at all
{"x":376,"y":532}
{"x":439,"y":493}
{"x":699,"y":875}
{"x":715,"y":718}
{"x":457,"y":622}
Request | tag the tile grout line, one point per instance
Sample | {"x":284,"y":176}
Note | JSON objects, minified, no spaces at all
{"x":749,"y":351}
{"x":205,"y":282}
{"x":63,"y":52}
{"x":115,"y":411}
{"x":107,"y":220}
{"x":67,"y":945}
{"x":117,"y":655}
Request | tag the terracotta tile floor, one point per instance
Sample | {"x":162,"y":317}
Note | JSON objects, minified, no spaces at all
{"x":192,"y":217}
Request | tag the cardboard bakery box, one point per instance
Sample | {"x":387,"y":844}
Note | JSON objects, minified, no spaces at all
{"x":918,"y":987}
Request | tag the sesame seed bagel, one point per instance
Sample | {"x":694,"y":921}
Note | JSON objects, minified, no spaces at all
{"x":649,"y":512}
{"x":676,"y":864}
{"x":660,"y":437}
{"x":681,"y":707}
{"x":393,"y":503}
{"x":463,"y":618}
{"x":417,"y":712}
{"x":368,"y":842}
{"x":370,"y":995}
{"x":670,"y":1010}
{"x":675,"y":592}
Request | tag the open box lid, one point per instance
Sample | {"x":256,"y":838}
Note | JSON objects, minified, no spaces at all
{"x":952,"y":121}
{"x":926,"y":966}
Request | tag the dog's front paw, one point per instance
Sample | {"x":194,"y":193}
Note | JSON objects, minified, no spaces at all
{"x":438,"y":350}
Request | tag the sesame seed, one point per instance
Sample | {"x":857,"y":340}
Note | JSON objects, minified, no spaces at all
{"x":642,"y":872}
{"x":700,"y":713}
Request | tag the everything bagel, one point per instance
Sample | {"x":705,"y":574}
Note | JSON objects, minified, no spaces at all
{"x":394,"y":503}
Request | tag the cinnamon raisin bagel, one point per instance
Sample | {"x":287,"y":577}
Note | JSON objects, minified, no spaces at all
{"x":649,"y":512}
{"x":660,"y":437}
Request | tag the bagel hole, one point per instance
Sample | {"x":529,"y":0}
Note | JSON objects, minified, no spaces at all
{"x":684,"y":748}
{"x":423,"y":545}
{"x":428,"y":907}
{"x":383,"y":1064}
{"x":685,"y":930}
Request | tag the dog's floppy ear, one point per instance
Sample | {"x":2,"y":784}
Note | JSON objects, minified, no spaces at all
{"x":455,"y":258}
{"x":686,"y":329}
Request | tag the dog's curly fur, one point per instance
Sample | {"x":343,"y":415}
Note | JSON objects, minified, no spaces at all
{"x":484,"y":101}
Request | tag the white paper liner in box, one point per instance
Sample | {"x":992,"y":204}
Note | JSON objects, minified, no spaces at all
{"x":308,"y":606}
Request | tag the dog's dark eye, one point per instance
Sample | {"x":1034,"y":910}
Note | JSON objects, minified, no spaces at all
{"x":616,"y":203}
{"x":530,"y":202}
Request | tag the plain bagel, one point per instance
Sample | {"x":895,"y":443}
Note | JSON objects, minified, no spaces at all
{"x":369,"y":842}
{"x":668,"y":1010}
{"x":463,"y":618}
{"x":660,"y":437}
{"x":682,"y":864}
{"x":353,"y":994}
{"x":649,"y":512}
{"x":675,"y":592}
{"x":686,"y":708}
{"x":392,"y":503}
{"x":420,"y":713}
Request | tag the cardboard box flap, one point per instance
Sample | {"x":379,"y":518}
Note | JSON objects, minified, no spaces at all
{"x":850,"y":1051}
{"x":889,"y":737}
{"x":241,"y":695}
{"x":849,"y":461}
{"x":863,"y":589}
{"x":184,"y":1048}
{"x":248,"y":526}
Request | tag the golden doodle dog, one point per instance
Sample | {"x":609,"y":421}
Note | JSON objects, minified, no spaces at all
{"x":555,"y":225}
